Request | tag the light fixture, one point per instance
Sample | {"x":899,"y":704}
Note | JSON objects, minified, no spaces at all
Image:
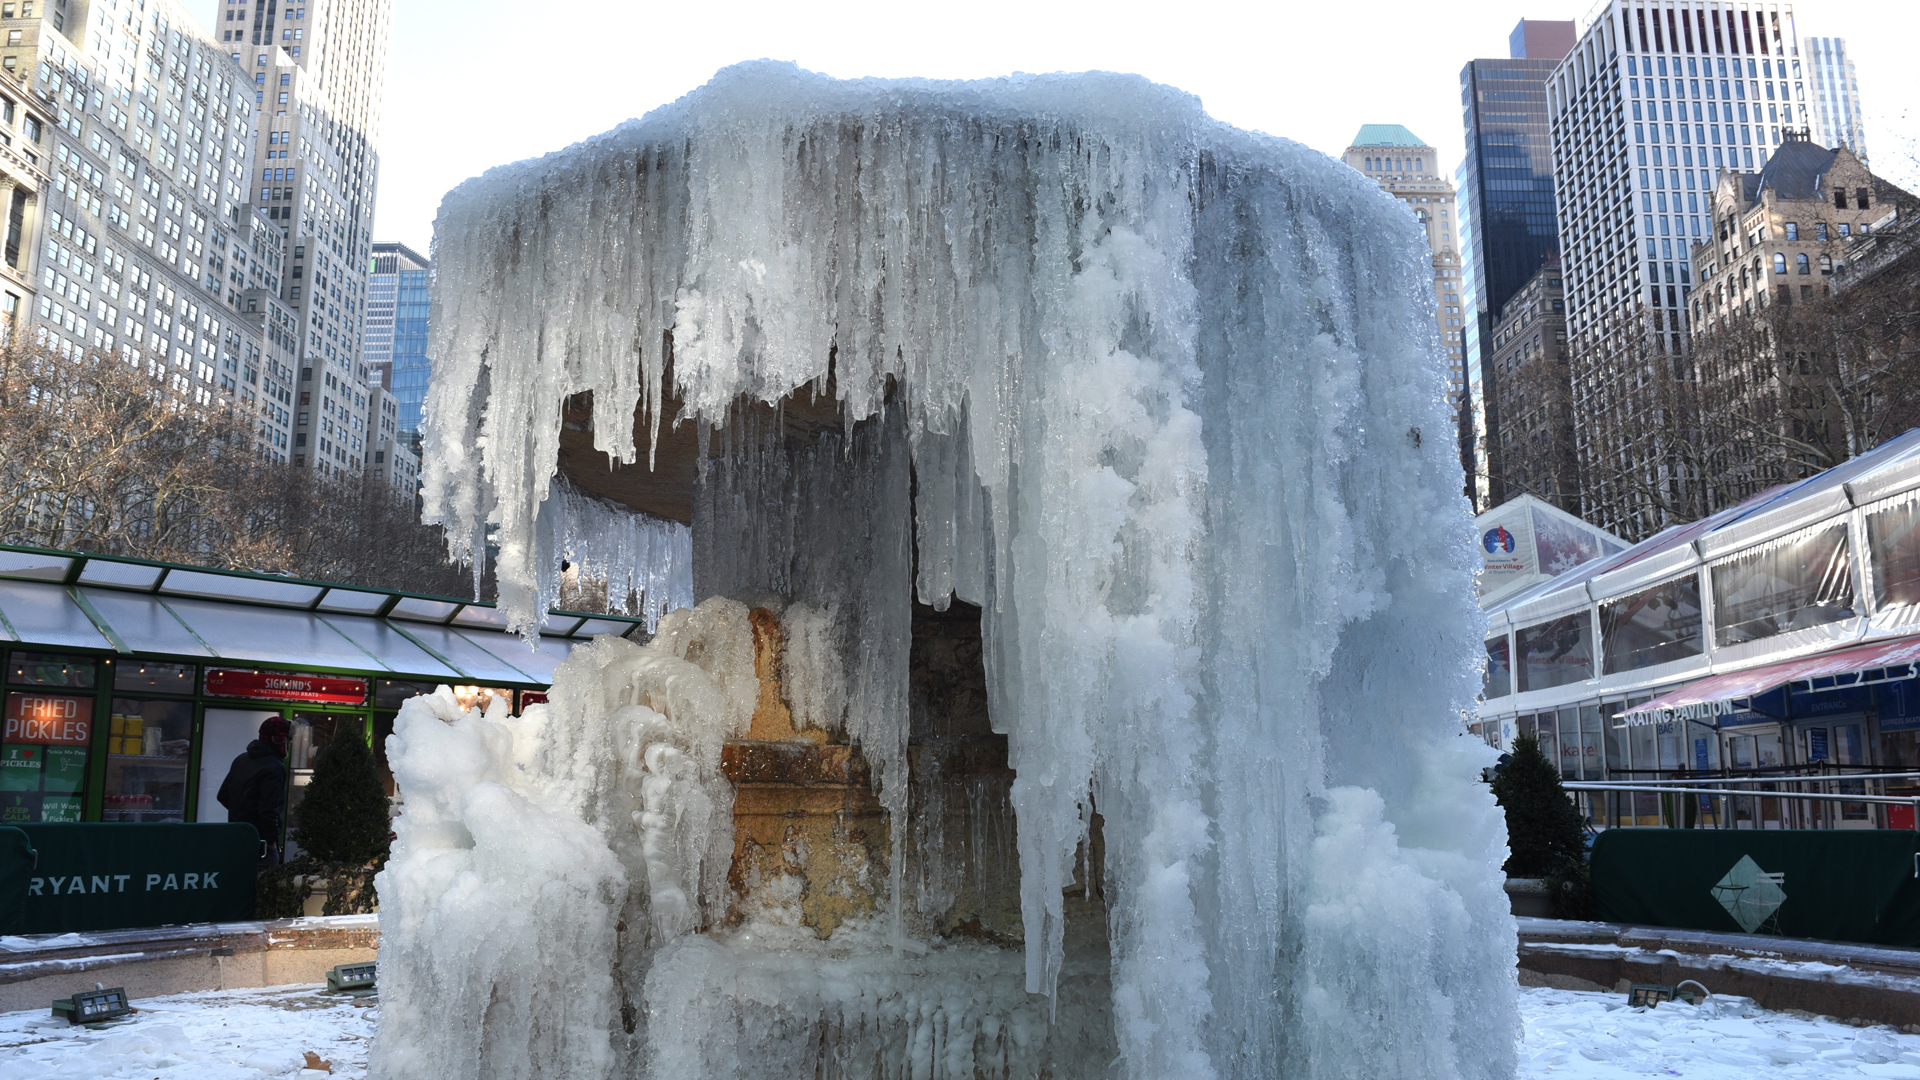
{"x":93,"y":1006}
{"x":348,"y":977}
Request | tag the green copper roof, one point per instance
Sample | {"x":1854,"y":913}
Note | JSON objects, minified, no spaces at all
{"x":1386,"y":135}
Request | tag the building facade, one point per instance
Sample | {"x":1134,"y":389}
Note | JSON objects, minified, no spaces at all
{"x":1787,"y":373}
{"x":1655,"y":101}
{"x":24,"y":135}
{"x":395,"y":460}
{"x":1400,"y":162}
{"x":1527,"y":367}
{"x":318,"y":73}
{"x":1508,"y":229}
{"x":1835,"y":93}
{"x":141,"y":240}
{"x":396,"y":347}
{"x":195,"y":190}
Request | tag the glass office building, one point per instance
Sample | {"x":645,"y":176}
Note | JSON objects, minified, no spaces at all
{"x":1506,"y":197}
{"x":396,"y":349}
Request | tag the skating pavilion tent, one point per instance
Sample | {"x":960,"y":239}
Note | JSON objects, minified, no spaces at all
{"x":1781,"y":633}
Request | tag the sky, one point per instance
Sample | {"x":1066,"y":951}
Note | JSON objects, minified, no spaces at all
{"x":478,"y":83}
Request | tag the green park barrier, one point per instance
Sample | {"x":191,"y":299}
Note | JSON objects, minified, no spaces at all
{"x":1833,"y":884}
{"x":16,"y":867}
{"x":116,"y":876}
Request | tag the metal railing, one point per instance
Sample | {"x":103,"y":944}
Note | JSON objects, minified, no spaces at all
{"x":1725,"y":814}
{"x":1806,"y":778}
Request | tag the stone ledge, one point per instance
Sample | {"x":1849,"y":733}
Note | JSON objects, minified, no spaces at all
{"x":1854,"y":983}
{"x":34,"y":969}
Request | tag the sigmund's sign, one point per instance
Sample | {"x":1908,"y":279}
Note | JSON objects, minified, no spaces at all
{"x":285,"y":686}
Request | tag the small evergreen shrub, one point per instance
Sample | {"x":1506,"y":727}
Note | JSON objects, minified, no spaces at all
{"x":1544,"y":830}
{"x":343,"y":817}
{"x":342,"y":825}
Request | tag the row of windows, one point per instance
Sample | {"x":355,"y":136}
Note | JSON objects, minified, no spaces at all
{"x":1396,"y":164}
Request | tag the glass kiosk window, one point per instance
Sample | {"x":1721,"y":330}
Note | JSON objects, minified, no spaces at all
{"x":42,"y":669}
{"x":150,"y":677}
{"x":43,"y":747}
{"x":43,"y":757}
{"x":147,"y":744}
{"x":312,"y":731}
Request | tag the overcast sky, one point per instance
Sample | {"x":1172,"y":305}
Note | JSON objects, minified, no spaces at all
{"x":476,"y":83}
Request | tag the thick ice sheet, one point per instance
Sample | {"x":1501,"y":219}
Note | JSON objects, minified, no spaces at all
{"x":1173,"y":407}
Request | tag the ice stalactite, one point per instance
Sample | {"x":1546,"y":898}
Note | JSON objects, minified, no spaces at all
{"x":1164,"y":398}
{"x":645,"y":561}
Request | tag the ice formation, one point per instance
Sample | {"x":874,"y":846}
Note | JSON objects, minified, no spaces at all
{"x":1162,"y":397}
{"x":646,"y":561}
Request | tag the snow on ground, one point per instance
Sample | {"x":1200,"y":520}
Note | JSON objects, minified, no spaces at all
{"x":256,"y":1034}
{"x":211,"y":1035}
{"x":1576,"y":1034}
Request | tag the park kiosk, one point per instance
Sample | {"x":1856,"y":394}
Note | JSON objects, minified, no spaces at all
{"x":130,"y":686}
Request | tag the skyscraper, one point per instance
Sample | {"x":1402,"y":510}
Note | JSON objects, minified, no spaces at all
{"x":1507,"y":223}
{"x":1399,"y":161}
{"x":1835,"y":90}
{"x":1652,"y":104}
{"x":396,"y":348}
{"x":318,"y":72}
{"x":130,"y":209}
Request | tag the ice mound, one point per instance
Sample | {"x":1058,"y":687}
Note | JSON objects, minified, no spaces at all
{"x":540,"y":860}
{"x":1164,"y":398}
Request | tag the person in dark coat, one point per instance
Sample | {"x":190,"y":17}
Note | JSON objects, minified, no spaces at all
{"x":255,"y":790}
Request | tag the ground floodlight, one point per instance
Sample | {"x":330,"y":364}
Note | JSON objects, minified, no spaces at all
{"x":350,"y":977}
{"x":1652,"y":994}
{"x":93,"y":1006}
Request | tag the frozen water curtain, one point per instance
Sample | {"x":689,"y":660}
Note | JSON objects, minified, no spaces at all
{"x":1163,"y":398}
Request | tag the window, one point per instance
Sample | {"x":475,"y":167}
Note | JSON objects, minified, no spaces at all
{"x":1779,"y":263}
{"x":1894,"y":544}
{"x":283,"y":97}
{"x":1861,"y":198}
{"x":44,"y":759}
{"x":43,"y":669}
{"x":1798,"y":581}
{"x":1793,"y":230}
{"x":1839,"y":198}
{"x":1826,"y":264}
{"x":1556,"y":653}
{"x":1820,"y":231}
{"x":286,"y":78}
{"x":1801,"y":260}
{"x":147,"y":759}
{"x":1846,"y":229}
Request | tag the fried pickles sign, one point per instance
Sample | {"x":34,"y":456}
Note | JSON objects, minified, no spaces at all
{"x":49,"y":719}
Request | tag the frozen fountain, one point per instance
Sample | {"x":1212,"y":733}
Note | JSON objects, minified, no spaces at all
{"x":1086,"y":608}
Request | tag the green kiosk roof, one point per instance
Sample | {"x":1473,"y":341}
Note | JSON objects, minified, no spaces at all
{"x":66,"y":600}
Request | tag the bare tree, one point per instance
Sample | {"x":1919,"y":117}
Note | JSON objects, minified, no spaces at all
{"x":97,"y":456}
